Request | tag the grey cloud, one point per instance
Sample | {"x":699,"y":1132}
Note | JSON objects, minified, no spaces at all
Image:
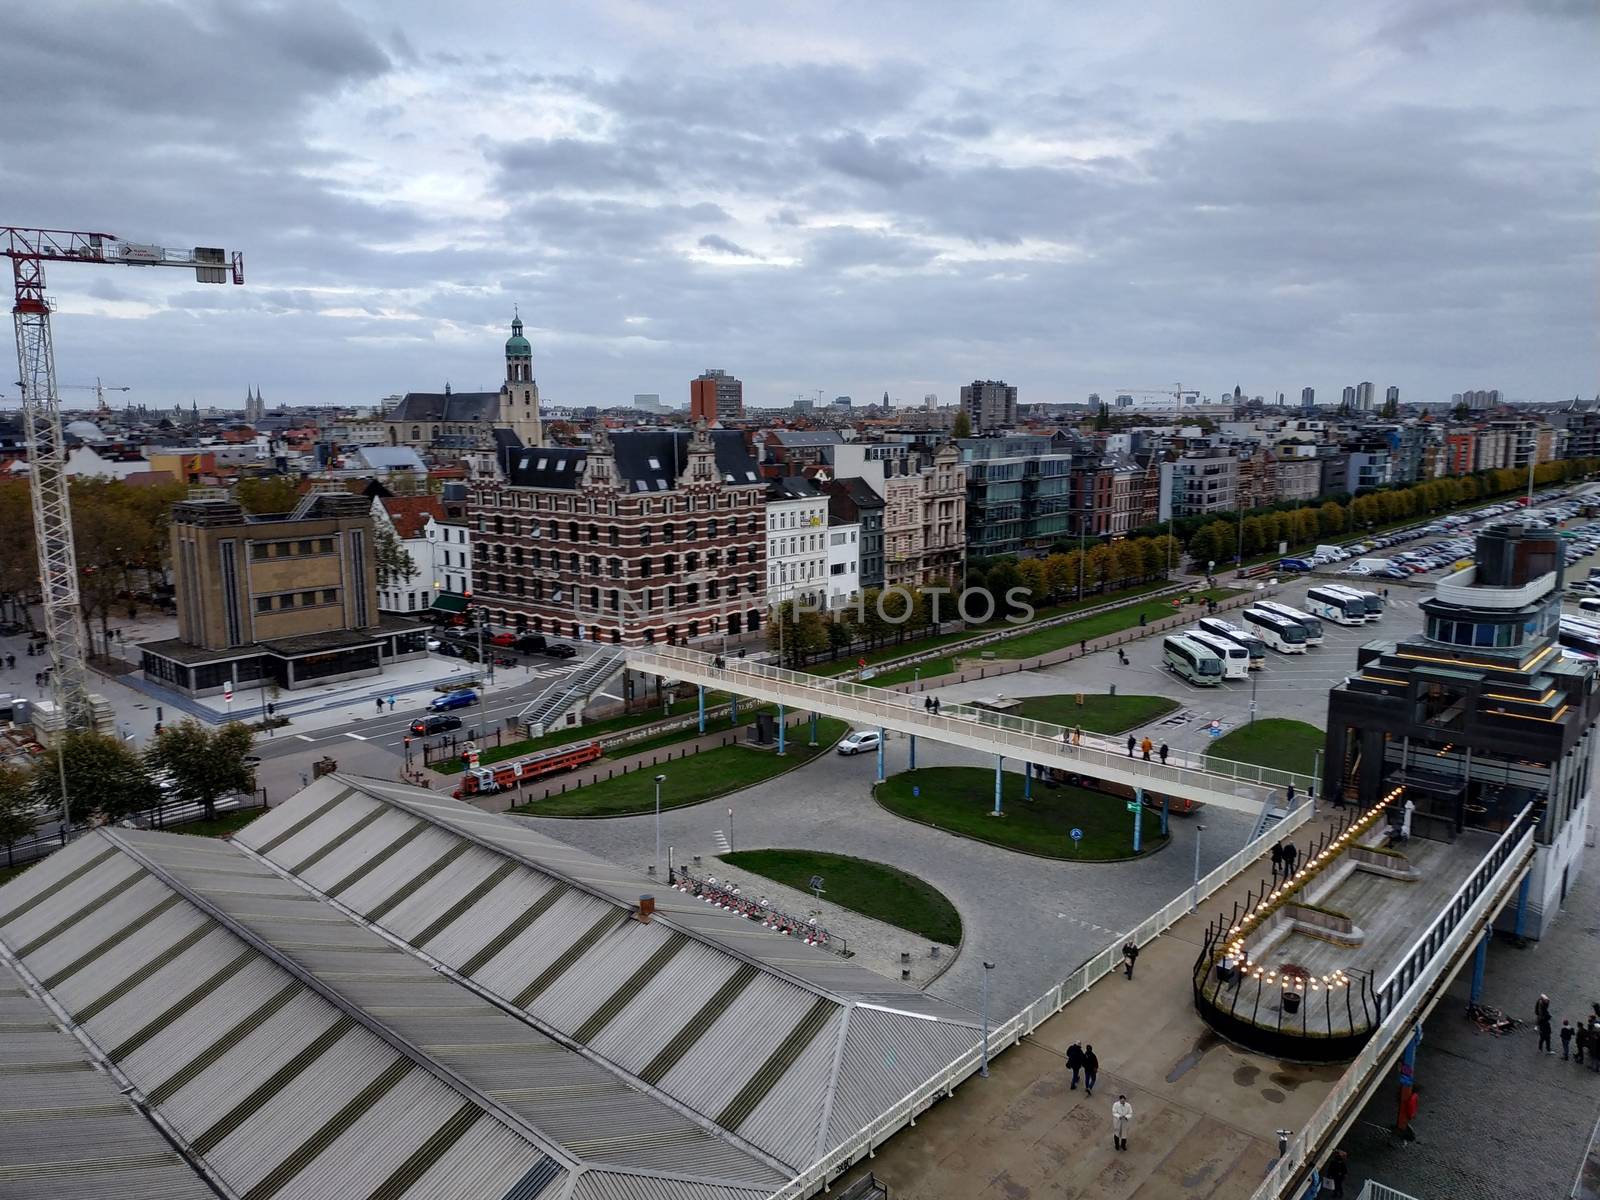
{"x":888,"y":161}
{"x":715,"y":241}
{"x":569,"y":163}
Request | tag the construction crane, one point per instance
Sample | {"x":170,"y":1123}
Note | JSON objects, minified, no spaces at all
{"x":29,"y":250}
{"x":99,"y":389}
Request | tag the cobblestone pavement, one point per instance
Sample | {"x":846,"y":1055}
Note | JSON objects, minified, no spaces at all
{"x":1497,"y":1120}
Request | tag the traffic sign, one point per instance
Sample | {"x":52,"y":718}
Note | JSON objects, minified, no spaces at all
{"x":227,"y":691}
{"x":1077,"y":836}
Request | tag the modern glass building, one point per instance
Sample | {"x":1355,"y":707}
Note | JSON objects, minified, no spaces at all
{"x":1480,"y":715}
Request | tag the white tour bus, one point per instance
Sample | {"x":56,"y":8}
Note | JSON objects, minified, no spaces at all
{"x":1185,"y":657}
{"x":1280,"y":633}
{"x":1336,"y":606}
{"x":1310,"y":624}
{"x":1372,"y":601}
{"x":1235,"y":658}
{"x":1223,"y":629}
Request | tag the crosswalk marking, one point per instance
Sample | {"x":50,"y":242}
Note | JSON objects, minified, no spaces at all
{"x":723,"y":845}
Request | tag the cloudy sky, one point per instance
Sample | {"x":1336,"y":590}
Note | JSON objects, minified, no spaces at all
{"x":856,"y":198}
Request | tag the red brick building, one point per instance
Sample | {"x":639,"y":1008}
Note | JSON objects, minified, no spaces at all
{"x":648,"y":536}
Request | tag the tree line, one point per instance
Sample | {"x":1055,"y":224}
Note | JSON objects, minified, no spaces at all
{"x":108,"y":780}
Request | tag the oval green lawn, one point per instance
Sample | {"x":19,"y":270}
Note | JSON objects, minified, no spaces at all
{"x":1099,"y":712}
{"x":872,"y":889}
{"x":1273,"y":742}
{"x":959,"y":800}
{"x":691,"y":780}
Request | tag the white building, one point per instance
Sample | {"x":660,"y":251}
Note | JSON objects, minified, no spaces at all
{"x":797,"y":542}
{"x":844,"y":563}
{"x":440,"y":550}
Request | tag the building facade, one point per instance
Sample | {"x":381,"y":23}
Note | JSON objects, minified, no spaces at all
{"x":647,"y":536}
{"x":1480,"y":715}
{"x":1201,"y":482}
{"x":715,"y":396}
{"x":853,"y":501}
{"x":1019,"y":494}
{"x":844,"y":563}
{"x":990,"y":405}
{"x":449,"y":424}
{"x":284,"y":600}
{"x":797,"y":542}
{"x":924,"y":522}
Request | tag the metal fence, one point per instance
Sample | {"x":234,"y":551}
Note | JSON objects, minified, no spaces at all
{"x":727,"y":894}
{"x":943,"y":1082}
{"x":50,"y":837}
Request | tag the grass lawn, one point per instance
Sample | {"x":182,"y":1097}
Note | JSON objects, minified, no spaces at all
{"x":226,"y":823}
{"x":7,"y":874}
{"x":873,"y":889}
{"x":1099,"y":713}
{"x":701,"y":777}
{"x":959,"y":799}
{"x":1273,"y":742}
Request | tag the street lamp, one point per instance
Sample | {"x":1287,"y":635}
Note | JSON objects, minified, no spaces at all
{"x":656,"y":867}
{"x":1194,"y":896}
{"x":984,"y":1070}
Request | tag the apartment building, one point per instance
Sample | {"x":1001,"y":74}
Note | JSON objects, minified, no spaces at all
{"x":1019,"y":494}
{"x":925,"y":521}
{"x":1200,"y":482}
{"x":797,"y":542}
{"x":853,"y":501}
{"x":646,"y":536}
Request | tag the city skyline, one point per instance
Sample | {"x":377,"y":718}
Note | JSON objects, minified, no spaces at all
{"x":829,"y":210}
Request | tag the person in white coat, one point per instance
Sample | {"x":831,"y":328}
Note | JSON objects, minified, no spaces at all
{"x":1121,"y":1114}
{"x":1405,"y":821}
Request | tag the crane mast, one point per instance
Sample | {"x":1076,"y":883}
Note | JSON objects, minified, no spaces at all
{"x":29,"y":250}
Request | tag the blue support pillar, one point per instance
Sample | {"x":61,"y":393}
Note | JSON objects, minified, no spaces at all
{"x":1480,"y":959}
{"x":813,"y":729}
{"x":701,"y":695}
{"x":1138,"y":817}
{"x":1522,"y":903}
{"x":780,"y":731}
{"x":912,"y":765}
{"x":1027,"y":783}
{"x":1163,"y":816}
{"x":883,"y":736}
{"x":999,"y":761}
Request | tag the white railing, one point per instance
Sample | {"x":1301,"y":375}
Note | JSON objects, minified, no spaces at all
{"x":943,"y":1083}
{"x":1373,"y":1190}
{"x":1034,"y":741}
{"x":561,"y":695}
{"x":1358,"y":1077}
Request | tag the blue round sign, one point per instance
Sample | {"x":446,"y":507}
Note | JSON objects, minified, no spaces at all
{"x":1077,"y":835}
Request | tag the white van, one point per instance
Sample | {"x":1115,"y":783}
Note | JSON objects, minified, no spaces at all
{"x":1332,"y":553}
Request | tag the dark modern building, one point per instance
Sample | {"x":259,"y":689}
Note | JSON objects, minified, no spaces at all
{"x":852,"y":501}
{"x":1019,"y":499}
{"x":989,"y":405}
{"x":715,"y":396}
{"x":1480,"y":715}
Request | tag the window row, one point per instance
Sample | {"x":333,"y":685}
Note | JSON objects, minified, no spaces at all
{"x":299,"y":548}
{"x":690,"y":531}
{"x":287,"y":600}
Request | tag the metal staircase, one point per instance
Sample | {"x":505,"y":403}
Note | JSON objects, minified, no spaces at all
{"x":1271,"y":813}
{"x":548,"y":706}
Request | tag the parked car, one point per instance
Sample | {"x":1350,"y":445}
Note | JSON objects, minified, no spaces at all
{"x":504,"y":639}
{"x":858,"y":740}
{"x":434,"y":643}
{"x":449,"y":650}
{"x":449,"y":700}
{"x":424,"y":726}
{"x":560,"y":650}
{"x":1297,"y":564}
{"x":531,"y":643}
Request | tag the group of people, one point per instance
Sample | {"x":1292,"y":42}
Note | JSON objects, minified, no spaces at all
{"x":1147,"y":747}
{"x":1285,"y":856}
{"x":930,"y":704}
{"x":1578,"y":1038}
{"x":1081,"y":1060}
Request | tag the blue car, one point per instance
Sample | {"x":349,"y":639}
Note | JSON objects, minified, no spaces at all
{"x":1293,"y":564}
{"x":453,"y":700}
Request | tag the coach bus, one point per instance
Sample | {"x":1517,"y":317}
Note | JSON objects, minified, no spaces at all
{"x":1235,"y":658}
{"x":1574,"y":633}
{"x":1336,"y":606}
{"x":1370,"y":600}
{"x":1256,"y":648}
{"x":1306,"y":621}
{"x":1280,"y":633}
{"x":1190,"y":660}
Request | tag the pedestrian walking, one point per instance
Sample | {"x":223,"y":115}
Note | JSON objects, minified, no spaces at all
{"x":1594,"y":1044}
{"x":1291,"y":860}
{"x":1580,"y":1042}
{"x":380,"y":704}
{"x":1408,"y":1114}
{"x":1121,"y":1114}
{"x":1541,"y":1016}
{"x":1091,"y":1070}
{"x":1131,"y":744}
{"x":1122,"y":656}
{"x":1288,"y":795}
{"x":1130,"y":955}
{"x":391,"y":703}
{"x":1077,"y":735}
{"x":1074,"y":1064}
{"x":1335,"y":1173}
{"x":1566,"y":1039}
{"x":1277,"y":860}
{"x":1147,"y":746}
{"x":1164,"y":752}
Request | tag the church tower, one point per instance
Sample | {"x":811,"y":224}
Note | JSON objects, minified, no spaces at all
{"x":519,"y":397}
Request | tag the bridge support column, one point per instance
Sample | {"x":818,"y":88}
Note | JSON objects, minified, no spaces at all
{"x":1408,"y":1076}
{"x":1138,"y":817}
{"x":912,"y":764}
{"x":733,"y":710}
{"x":1480,"y":960}
{"x":1522,"y":904}
{"x":883,"y":736}
{"x":813,"y":729}
{"x":1163,"y":816}
{"x":999,"y":761}
{"x":780,"y":731}
{"x":1027,"y":783}
{"x":701,"y":695}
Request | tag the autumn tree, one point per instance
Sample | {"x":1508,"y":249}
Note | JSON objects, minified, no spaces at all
{"x":396,"y":567}
{"x":19,"y":563}
{"x":267,"y":494}
{"x":17,"y":817}
{"x":107,"y":533}
{"x":961,"y":427}
{"x":106,"y":779}
{"x":203,"y":763}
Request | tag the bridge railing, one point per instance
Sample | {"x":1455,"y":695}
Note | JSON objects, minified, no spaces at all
{"x":1036,"y":741}
{"x":943,"y":1082}
{"x":1510,"y":856}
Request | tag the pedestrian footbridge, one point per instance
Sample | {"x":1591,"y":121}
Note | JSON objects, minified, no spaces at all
{"x":1240,"y":786}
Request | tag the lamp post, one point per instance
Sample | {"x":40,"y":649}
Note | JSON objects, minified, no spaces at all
{"x":1194,"y":896}
{"x":655,"y":868}
{"x":984,"y":1069}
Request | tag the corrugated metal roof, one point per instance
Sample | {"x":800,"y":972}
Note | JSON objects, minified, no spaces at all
{"x":743,"y":1026}
{"x":64,"y":1128}
{"x":301,"y":1054}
